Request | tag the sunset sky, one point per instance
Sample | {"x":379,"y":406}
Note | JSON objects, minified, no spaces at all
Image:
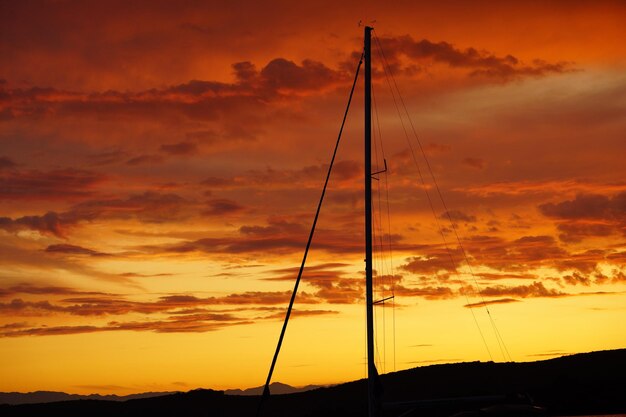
{"x":161,"y":162}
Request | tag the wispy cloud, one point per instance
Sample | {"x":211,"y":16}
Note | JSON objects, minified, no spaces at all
{"x":490,"y":302}
{"x":59,"y":184}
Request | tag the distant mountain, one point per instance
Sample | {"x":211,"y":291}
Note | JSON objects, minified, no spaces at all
{"x":36,"y":397}
{"x":275,"y":388}
{"x":54,"y":396}
{"x":582,"y":384}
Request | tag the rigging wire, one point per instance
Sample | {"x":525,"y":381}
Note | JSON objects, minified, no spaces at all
{"x":378,"y":266}
{"x":379,"y":228}
{"x":266,"y":389}
{"x":391,"y":274}
{"x":502,"y":345}
{"x":497,"y":334}
{"x":387,"y":276}
{"x":391,"y":270}
{"x":389,"y":76}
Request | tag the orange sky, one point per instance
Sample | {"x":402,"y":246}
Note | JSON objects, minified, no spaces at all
{"x":160,"y":164}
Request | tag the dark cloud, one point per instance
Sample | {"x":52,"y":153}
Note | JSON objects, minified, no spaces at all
{"x":281,"y":74}
{"x":261,"y":241}
{"x":519,"y":254}
{"x":218,"y":182}
{"x":17,"y":306}
{"x":307,"y":177}
{"x":478,"y":62}
{"x":13,"y":326}
{"x":245,"y":72}
{"x":547,"y":188}
{"x":618,"y":257}
{"x":536,"y":289}
{"x":615,"y":276}
{"x":222,"y":207}
{"x":337,"y":289}
{"x":229,"y":132}
{"x":429,"y":293}
{"x":346,"y":170}
{"x":549,"y":354}
{"x":575,"y":232}
{"x":276,"y":226}
{"x":14,"y":256}
{"x":6,"y":163}
{"x":73,"y":250}
{"x":490,"y":302}
{"x":512,"y":259}
{"x":107,"y":157}
{"x":493,"y":277}
{"x":180,"y":148}
{"x":205,"y":136}
{"x":577,"y":278}
{"x":25,"y":288}
{"x":195,"y":99}
{"x":531,"y":249}
{"x":457,"y":215}
{"x":311,"y":268}
{"x":265,"y":298}
{"x":619,"y":276}
{"x":588,"y":215}
{"x":350,"y":199}
{"x":158,"y":326}
{"x":50,"y":331}
{"x":585,"y":262}
{"x":145,"y":160}
{"x":434,"y":260}
{"x":475,"y":163}
{"x":330,"y":284}
{"x":151,"y":207}
{"x":138,"y":275}
{"x":60,"y":184}
{"x":98,"y":304}
{"x":301,"y":313}
{"x":588,"y":206}
{"x":197,"y":88}
{"x":276,"y":245}
{"x":184,"y":313}
{"x":50,"y":223}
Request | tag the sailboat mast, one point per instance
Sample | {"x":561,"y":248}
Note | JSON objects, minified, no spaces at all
{"x":369,"y":292}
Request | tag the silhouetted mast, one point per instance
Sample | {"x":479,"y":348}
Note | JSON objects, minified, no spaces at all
{"x":372,"y":374}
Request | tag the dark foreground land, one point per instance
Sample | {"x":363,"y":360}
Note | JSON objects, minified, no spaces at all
{"x":583,"y":384}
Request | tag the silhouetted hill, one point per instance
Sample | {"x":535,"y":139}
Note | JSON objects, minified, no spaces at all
{"x":55,"y":396}
{"x":36,"y":397}
{"x":275,"y":388}
{"x":589,"y":383}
